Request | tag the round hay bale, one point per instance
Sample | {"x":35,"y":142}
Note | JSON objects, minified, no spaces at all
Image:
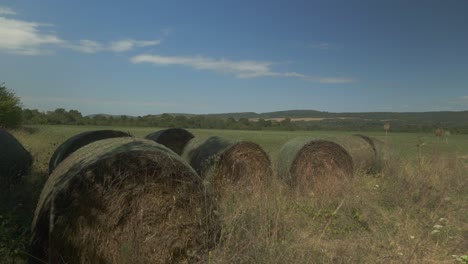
{"x":174,"y":139}
{"x":123,"y":200}
{"x":15,"y":160}
{"x":361,"y":149}
{"x":318,"y":167}
{"x":226,"y":162}
{"x":384,"y":155}
{"x":74,"y":143}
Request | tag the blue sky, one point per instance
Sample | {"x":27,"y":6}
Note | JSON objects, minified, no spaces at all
{"x":151,"y":57}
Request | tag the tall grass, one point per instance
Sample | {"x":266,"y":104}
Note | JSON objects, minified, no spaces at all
{"x":414,"y":211}
{"x":407,"y":214}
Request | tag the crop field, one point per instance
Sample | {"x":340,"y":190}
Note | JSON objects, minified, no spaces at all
{"x":413,"y":211}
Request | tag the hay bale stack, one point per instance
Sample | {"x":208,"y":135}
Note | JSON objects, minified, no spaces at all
{"x":226,"y":162}
{"x":318,"y":167}
{"x":123,"y":200}
{"x":15,"y":160}
{"x":362,"y":151}
{"x":174,"y":139}
{"x":74,"y":143}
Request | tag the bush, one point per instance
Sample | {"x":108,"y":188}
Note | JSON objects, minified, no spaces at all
{"x":10,"y":108}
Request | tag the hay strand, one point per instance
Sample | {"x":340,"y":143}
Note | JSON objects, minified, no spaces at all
{"x":226,"y":162}
{"x":174,"y":139}
{"x":74,"y":143}
{"x":15,"y":160}
{"x":320,"y":168}
{"x":123,"y":200}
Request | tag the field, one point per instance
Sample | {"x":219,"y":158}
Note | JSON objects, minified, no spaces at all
{"x":414,"y":211}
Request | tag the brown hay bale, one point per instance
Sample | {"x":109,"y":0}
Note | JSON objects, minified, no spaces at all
{"x":123,"y":200}
{"x":318,"y":167}
{"x":225,"y":162}
{"x":74,"y":143}
{"x":361,"y":149}
{"x":174,"y":139}
{"x":15,"y":160}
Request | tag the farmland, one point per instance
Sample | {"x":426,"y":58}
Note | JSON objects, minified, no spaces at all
{"x":412,"y":211}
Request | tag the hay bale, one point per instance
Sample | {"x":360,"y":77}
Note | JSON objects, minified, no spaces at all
{"x":74,"y":143}
{"x":174,"y":139}
{"x":123,"y":200}
{"x":226,"y":162}
{"x":15,"y":160}
{"x":318,"y":167}
{"x":362,"y":151}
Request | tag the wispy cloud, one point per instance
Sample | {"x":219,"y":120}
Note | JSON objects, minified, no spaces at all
{"x":27,"y":38}
{"x":85,"y":46}
{"x":6,"y":11}
{"x":321,"y":45}
{"x":240,"y":69}
{"x":129,"y":44}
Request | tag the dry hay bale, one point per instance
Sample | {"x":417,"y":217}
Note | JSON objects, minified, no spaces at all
{"x":318,"y":167}
{"x":74,"y":143}
{"x":123,"y":200}
{"x":15,"y":160}
{"x":226,"y":162}
{"x":361,"y":149}
{"x":385,"y":155}
{"x":173,"y":138}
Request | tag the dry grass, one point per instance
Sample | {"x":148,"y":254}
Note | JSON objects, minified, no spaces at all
{"x":408,"y":213}
{"x":390,"y":217}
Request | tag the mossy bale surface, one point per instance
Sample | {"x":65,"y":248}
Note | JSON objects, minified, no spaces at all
{"x":225,"y":162}
{"x":173,"y":138}
{"x":123,"y":200}
{"x":15,"y":160}
{"x":318,"y":167}
{"x":76,"y":142}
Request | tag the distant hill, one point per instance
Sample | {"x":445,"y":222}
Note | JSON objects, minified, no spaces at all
{"x":443,"y":117}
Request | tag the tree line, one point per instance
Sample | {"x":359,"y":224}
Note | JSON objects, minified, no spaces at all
{"x":12,"y":115}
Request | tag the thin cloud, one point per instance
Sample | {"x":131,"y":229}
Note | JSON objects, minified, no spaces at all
{"x":129,"y":44}
{"x":85,"y":46}
{"x":321,"y":45}
{"x":240,"y":69}
{"x":29,"y":38}
{"x":25,"y":38}
{"x":6,"y":11}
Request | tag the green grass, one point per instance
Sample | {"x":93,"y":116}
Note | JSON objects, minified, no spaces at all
{"x":385,"y":218}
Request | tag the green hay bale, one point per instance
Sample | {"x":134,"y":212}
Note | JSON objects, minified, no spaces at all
{"x":320,"y":168}
{"x":361,"y":149}
{"x":226,"y":162}
{"x":15,"y":160}
{"x":74,"y":143}
{"x":123,"y":200}
{"x":174,"y":139}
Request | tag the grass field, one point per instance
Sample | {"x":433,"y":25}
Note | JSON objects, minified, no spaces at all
{"x":414,"y":211}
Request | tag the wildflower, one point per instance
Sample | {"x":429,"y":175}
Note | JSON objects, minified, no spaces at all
{"x":437,"y":226}
{"x":435,"y":232}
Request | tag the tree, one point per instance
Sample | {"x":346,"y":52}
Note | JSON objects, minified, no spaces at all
{"x":10,"y":108}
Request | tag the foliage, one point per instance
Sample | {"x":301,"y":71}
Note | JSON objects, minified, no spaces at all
{"x":73,"y":117}
{"x":10,"y":108}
